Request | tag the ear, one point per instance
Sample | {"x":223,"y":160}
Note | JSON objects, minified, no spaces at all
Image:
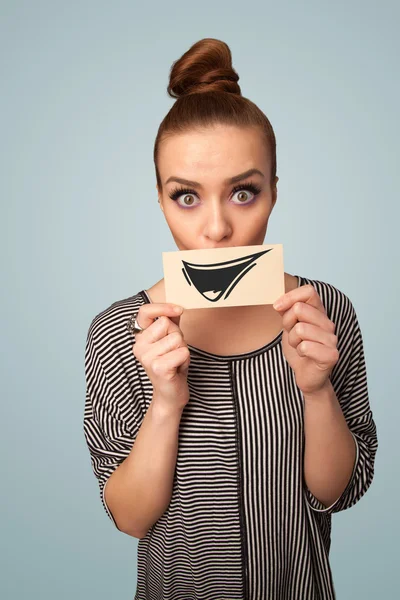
{"x":159,"y":198}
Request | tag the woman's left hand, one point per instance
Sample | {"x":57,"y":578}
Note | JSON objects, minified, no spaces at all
{"x":308,"y":341}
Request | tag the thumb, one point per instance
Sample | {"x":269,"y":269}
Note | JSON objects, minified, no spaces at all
{"x":175,"y":320}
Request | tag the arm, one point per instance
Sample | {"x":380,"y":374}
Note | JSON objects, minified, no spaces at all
{"x":132,"y":446}
{"x":139,"y":491}
{"x":330,"y":448}
{"x":339,"y":469}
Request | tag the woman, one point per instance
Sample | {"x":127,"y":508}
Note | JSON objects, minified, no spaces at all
{"x":229,"y":436}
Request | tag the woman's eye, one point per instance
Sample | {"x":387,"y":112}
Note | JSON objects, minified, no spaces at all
{"x":242,"y":196}
{"x":187,"y":199}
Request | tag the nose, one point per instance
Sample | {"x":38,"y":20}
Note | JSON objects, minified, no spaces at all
{"x":217,"y":224}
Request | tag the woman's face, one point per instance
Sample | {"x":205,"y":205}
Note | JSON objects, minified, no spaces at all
{"x":208,"y":212}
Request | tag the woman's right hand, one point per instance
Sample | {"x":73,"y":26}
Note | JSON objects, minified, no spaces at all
{"x":164,"y":354}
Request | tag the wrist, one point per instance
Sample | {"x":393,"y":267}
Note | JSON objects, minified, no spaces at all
{"x":164,"y":410}
{"x":324,"y":392}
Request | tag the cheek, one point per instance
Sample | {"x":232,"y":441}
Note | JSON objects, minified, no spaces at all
{"x":255,"y":218}
{"x":182,"y":228}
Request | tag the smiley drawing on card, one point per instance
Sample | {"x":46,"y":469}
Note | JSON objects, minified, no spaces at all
{"x":234,"y":276}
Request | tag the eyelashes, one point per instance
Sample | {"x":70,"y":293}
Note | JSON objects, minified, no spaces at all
{"x":250,"y":187}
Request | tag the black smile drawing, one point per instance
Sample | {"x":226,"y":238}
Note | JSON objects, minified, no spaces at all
{"x":212,"y":281}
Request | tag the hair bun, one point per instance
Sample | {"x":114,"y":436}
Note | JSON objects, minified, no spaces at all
{"x":205,"y":67}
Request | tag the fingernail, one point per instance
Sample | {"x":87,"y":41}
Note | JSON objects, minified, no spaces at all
{"x":178,"y":309}
{"x":278,"y":304}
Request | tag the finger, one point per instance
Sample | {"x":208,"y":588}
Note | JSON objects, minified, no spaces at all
{"x":323,"y":356}
{"x":184,"y":367}
{"x":149,"y":312}
{"x":159,"y":329}
{"x":167,"y":364}
{"x":166,"y":344}
{"x":309,"y":314}
{"x":305,"y":293}
{"x":305,"y":331}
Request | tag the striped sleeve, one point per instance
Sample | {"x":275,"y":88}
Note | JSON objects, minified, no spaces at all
{"x":349,"y":380}
{"x":108,"y":436}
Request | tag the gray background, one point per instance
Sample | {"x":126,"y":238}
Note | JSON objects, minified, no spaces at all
{"x":83,"y":93}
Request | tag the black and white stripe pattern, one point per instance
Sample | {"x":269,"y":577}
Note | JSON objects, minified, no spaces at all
{"x":241,"y":523}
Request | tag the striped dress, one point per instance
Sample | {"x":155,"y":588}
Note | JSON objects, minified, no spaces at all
{"x":241,"y":523}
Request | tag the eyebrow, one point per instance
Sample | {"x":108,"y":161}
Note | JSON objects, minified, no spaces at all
{"x":229,"y":180}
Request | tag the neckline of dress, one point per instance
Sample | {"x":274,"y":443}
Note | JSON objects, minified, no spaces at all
{"x":228,"y":357}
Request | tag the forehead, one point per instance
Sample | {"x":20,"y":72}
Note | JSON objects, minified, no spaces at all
{"x":218,"y":152}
